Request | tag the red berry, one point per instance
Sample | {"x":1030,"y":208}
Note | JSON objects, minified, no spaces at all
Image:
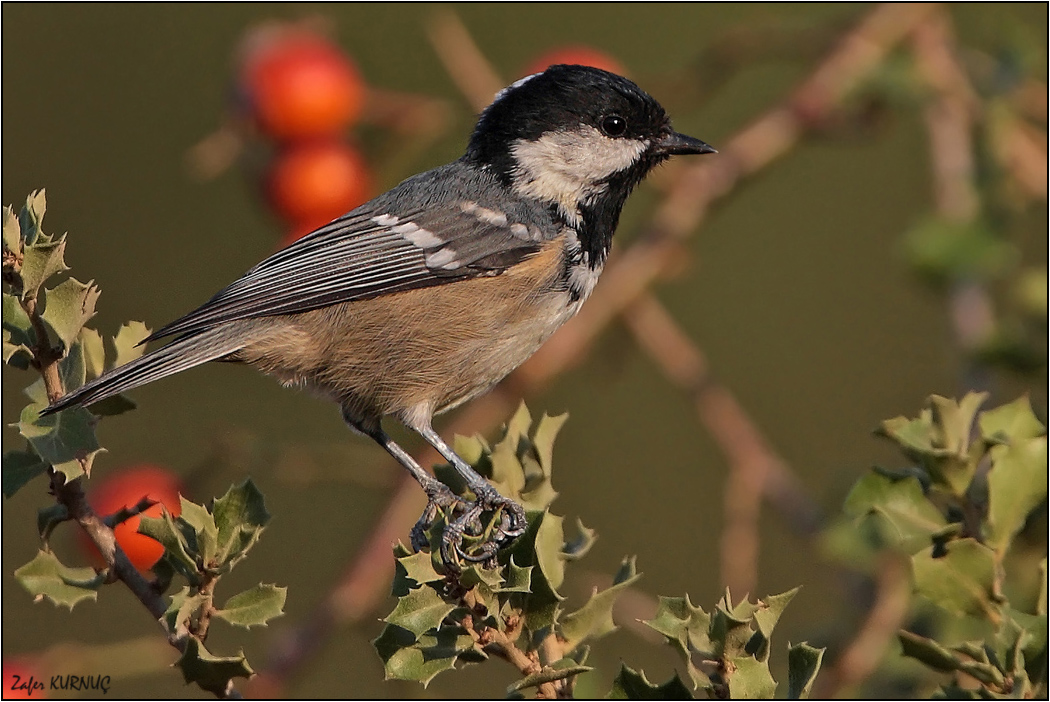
{"x":125,"y":489}
{"x":578,"y":55}
{"x":313,"y":183}
{"x":300,"y":86}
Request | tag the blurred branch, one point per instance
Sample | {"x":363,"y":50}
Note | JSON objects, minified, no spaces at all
{"x":626,"y":277}
{"x":755,"y":470}
{"x":863,"y":655}
{"x":950,"y":117}
{"x":466,"y":65}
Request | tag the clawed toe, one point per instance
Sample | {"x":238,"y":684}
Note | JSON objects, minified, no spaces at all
{"x":465,"y":520}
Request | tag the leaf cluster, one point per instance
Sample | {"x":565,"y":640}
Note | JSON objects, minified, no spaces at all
{"x":955,"y":514}
{"x":515,"y":611}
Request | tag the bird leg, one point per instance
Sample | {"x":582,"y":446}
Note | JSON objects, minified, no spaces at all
{"x":512,"y":515}
{"x":439,"y":496}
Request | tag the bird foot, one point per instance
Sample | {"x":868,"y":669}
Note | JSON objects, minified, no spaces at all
{"x":512,"y":523}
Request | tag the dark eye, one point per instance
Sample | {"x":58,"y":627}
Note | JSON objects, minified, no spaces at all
{"x":614,"y":125}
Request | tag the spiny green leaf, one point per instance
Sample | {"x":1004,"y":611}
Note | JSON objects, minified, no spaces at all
{"x":31,"y":218}
{"x":179,"y":543}
{"x":956,"y":419}
{"x":1016,"y":486}
{"x":185,"y":609}
{"x":1011,"y":422}
{"x":68,"y":306}
{"x":543,"y":439}
{"x":905,"y":517}
{"x":412,"y":571}
{"x":125,"y":346}
{"x":578,"y":547}
{"x":632,"y":685}
{"x":45,"y":576}
{"x":19,"y":336}
{"x":517,"y":579}
{"x":770,"y":609}
{"x":19,"y":467}
{"x":685,"y":626}
{"x":203,"y":524}
{"x":12,"y":232}
{"x":40,"y":262}
{"x":254,"y":606}
{"x":419,"y":611}
{"x":541,"y":606}
{"x":404,"y":660}
{"x":961,"y":581}
{"x":750,"y":680}
{"x":594,"y":619}
{"x":71,"y":369}
{"x":65,"y":439}
{"x":518,"y":426}
{"x":210,"y":672}
{"x":546,"y":675}
{"x":507,"y":472}
{"x":240,"y":516}
{"x":94,"y":352}
{"x":803,"y":665}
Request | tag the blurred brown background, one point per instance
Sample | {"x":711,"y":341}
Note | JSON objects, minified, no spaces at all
{"x":795,"y":288}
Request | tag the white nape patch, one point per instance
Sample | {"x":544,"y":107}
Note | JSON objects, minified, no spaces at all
{"x":567,"y":167}
{"x":516,"y":84}
{"x":423,"y":238}
{"x":385,"y":220}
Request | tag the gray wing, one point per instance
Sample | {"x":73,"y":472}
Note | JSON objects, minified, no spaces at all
{"x":377,"y":249}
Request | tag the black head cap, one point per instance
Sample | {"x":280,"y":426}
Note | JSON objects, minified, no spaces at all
{"x":562,"y":98}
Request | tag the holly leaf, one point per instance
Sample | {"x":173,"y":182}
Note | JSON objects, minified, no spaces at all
{"x":240,"y":516}
{"x":19,"y":338}
{"x":419,"y":611}
{"x":517,"y":579}
{"x":412,"y":571}
{"x":19,"y":467}
{"x":94,"y":352}
{"x":31,"y":218}
{"x":45,"y":576}
{"x":210,"y":672}
{"x":633,"y":685}
{"x":404,"y":659}
{"x":40,"y":262}
{"x":203,"y":524}
{"x":685,"y":626}
{"x":255,"y":606}
{"x":179,"y":542}
{"x":577,"y":548}
{"x":906,"y":518}
{"x":766,"y":617}
{"x":961,"y":581}
{"x":594,"y":619}
{"x":12,"y":232}
{"x":125,"y":343}
{"x":750,"y":679}
{"x":928,"y":651}
{"x":1010,"y":423}
{"x":67,"y":307}
{"x":66,"y":440}
{"x":803,"y":665}
{"x":1016,"y":486}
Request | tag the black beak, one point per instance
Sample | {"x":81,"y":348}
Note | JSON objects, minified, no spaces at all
{"x":675,"y":143}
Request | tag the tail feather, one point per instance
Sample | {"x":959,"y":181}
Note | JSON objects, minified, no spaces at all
{"x":179,"y":355}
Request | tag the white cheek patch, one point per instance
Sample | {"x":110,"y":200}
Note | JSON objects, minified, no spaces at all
{"x":566,"y":167}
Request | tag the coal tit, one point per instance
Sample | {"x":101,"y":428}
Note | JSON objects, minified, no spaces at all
{"x":433,"y":292}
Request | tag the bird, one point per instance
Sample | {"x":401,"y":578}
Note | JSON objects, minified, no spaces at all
{"x":431,"y":293}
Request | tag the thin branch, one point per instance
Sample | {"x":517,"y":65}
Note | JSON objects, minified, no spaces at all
{"x":754,"y":468}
